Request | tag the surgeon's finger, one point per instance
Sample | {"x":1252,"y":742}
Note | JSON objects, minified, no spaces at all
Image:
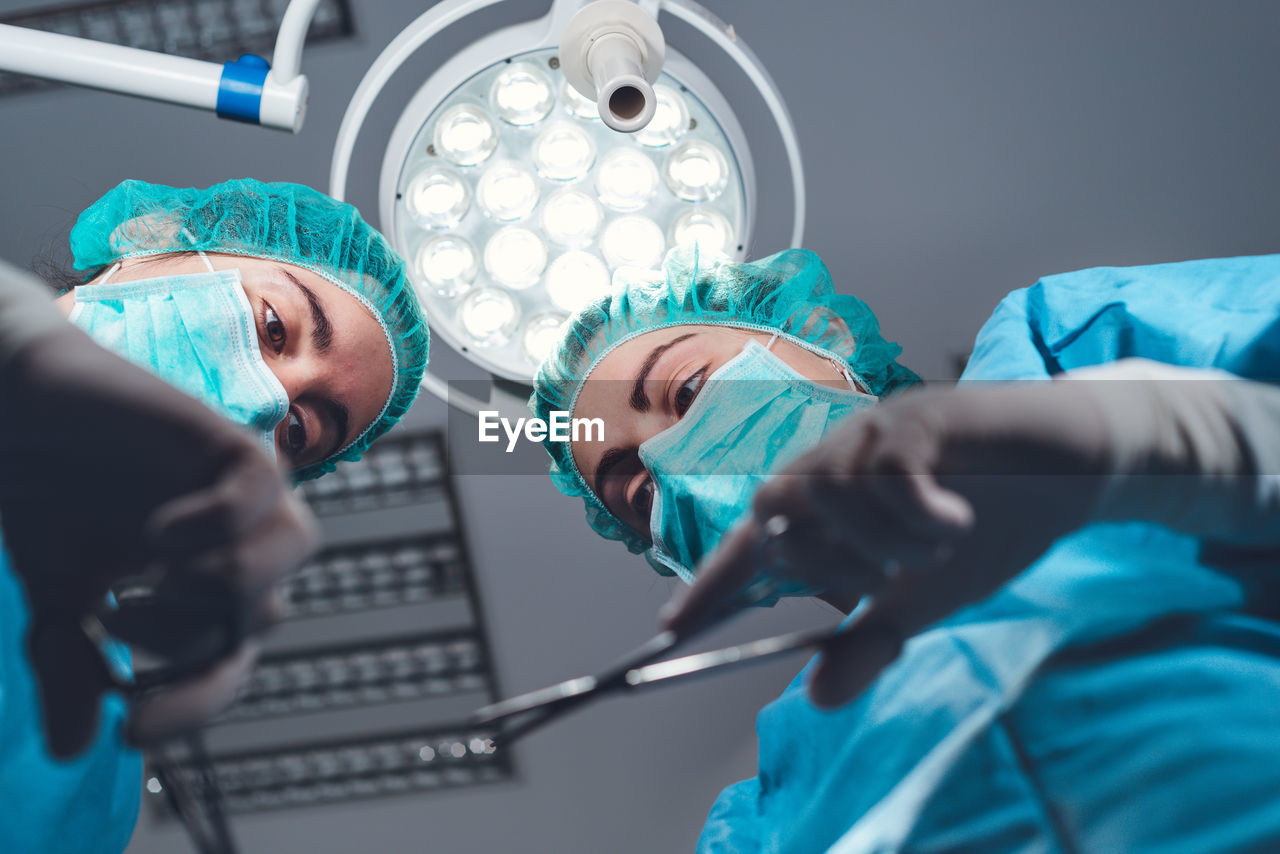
{"x":852,"y":660}
{"x":175,"y":710}
{"x":263,"y":557}
{"x":922,"y":506}
{"x":723,"y":574}
{"x":874,"y":536}
{"x":222,"y":513}
{"x":910,"y":603}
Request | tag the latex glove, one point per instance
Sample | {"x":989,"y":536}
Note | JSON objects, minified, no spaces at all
{"x":107,"y":472}
{"x":929,"y":501}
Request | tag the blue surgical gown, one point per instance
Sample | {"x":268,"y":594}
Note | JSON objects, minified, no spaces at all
{"x":1121,"y":695}
{"x":85,"y":806}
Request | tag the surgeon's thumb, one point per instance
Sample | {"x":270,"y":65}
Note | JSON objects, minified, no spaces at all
{"x":71,"y":676}
{"x":851,"y":661}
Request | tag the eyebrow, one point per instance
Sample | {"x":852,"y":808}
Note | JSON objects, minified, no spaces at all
{"x":639,"y":400}
{"x":321,"y":329}
{"x":608,"y":463}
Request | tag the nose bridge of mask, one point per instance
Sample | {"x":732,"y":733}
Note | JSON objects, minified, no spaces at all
{"x":195,"y":331}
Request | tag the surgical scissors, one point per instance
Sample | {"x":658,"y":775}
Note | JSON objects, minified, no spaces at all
{"x":642,"y":668}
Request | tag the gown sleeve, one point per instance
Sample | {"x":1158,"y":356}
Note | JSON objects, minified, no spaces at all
{"x":1219,"y":313}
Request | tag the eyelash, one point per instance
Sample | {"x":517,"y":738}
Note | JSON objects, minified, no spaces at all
{"x":678,"y":404}
{"x":294,"y":443}
{"x":641,"y":501}
{"x":642,"y":507}
{"x":295,"y":431}
{"x":269,"y":318}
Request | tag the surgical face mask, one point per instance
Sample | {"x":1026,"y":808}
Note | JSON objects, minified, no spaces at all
{"x":752,"y":416}
{"x":196,"y":332}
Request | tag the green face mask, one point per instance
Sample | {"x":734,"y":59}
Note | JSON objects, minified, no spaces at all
{"x":197,"y":333}
{"x":753,"y":416}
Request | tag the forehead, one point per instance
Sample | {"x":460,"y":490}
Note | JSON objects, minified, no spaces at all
{"x":623,"y":361}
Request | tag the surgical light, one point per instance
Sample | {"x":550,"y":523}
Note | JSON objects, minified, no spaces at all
{"x":465,"y":135}
{"x":515,"y":257}
{"x":448,"y":263}
{"x":437,"y":198}
{"x":576,"y":104}
{"x":626,"y":180}
{"x":522,"y":94}
{"x":709,"y":230}
{"x":507,"y":191}
{"x":670,"y":119}
{"x":527,"y":118}
{"x":697,"y":171}
{"x":554,"y":201}
{"x":488,"y":316}
{"x":543,"y":333}
{"x":632,"y":241}
{"x":563,"y":152}
{"x":571,"y":218}
{"x":577,"y":278}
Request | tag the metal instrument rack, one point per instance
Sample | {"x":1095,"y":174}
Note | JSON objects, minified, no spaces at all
{"x":365,"y":689}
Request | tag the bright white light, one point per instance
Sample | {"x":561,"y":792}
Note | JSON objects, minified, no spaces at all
{"x":522,"y":94}
{"x":457,"y":750}
{"x":632,"y":241}
{"x":515,"y":257}
{"x":625,"y":179}
{"x":541,"y":335}
{"x":507,"y":191}
{"x":707,"y":228}
{"x":153,"y":785}
{"x":696,"y":171}
{"x":449,"y":264}
{"x":465,"y":135}
{"x":575,"y":279}
{"x":578,"y":106}
{"x":670,"y":119}
{"x":571,"y":218}
{"x":488,"y":316}
{"x":427,"y":753}
{"x":563,"y":152}
{"x":437,"y":198}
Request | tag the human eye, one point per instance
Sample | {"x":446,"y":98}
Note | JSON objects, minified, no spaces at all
{"x":641,"y":501}
{"x":687,"y":393}
{"x":273,"y":326}
{"x":295,"y":435}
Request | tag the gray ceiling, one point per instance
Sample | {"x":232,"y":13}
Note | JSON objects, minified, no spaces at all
{"x":955,"y":151}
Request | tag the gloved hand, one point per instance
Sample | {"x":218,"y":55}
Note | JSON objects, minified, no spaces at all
{"x":929,"y":502}
{"x":107,"y":472}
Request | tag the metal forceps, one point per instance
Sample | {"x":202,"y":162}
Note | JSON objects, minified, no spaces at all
{"x":642,"y":668}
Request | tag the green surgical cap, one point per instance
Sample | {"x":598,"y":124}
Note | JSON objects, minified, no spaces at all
{"x":280,"y":222}
{"x":790,"y":293}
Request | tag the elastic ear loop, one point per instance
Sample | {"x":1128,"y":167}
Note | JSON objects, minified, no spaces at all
{"x":843,"y":369}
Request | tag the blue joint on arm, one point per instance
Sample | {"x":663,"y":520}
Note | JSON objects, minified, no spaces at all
{"x":240,"y":88}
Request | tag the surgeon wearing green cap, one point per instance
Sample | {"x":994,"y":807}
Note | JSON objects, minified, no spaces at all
{"x":1062,"y":631}
{"x":223,"y":343}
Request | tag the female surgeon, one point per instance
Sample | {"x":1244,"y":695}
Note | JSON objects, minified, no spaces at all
{"x":277,"y":331}
{"x":1065,"y":638}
